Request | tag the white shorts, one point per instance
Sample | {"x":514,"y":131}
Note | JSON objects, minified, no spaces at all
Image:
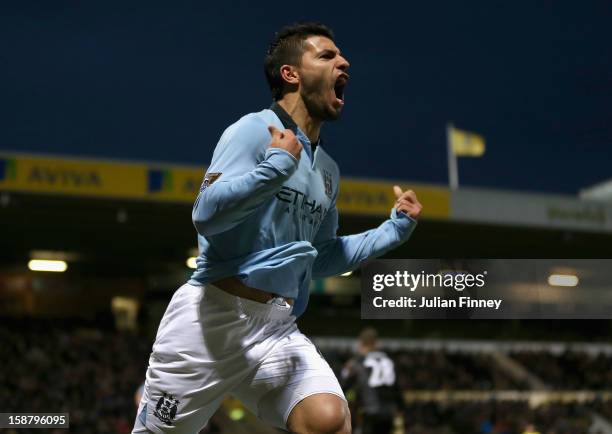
{"x":210,"y":344}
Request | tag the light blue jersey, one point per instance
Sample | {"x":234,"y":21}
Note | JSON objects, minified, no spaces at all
{"x":271,"y":220}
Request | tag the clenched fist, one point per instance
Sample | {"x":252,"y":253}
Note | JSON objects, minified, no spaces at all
{"x":285,"y":140}
{"x":407,"y":201}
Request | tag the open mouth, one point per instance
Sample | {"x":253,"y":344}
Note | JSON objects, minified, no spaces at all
{"x":341,"y":82}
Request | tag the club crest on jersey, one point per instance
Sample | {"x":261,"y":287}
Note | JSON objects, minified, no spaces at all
{"x":209,"y":178}
{"x":166,"y":407}
{"x":327,"y":179}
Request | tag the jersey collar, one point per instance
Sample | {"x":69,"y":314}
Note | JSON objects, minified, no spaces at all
{"x":289,"y":123}
{"x":284,"y":117}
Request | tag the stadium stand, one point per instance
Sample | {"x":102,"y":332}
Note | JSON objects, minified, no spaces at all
{"x":92,"y":372}
{"x":62,"y":348}
{"x":570,"y":370}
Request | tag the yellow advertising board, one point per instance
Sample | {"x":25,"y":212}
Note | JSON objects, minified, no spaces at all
{"x":161,"y":182}
{"x":98,"y":178}
{"x":374,"y":197}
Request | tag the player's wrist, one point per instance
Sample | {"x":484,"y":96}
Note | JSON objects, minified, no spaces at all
{"x":403,"y":217}
{"x":282,"y":160}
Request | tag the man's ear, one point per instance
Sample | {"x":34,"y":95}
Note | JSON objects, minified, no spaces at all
{"x":290,"y":74}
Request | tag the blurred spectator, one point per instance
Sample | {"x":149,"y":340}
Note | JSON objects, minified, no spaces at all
{"x":496,"y":418}
{"x":89,"y":373}
{"x":570,"y":370}
{"x":92,"y":373}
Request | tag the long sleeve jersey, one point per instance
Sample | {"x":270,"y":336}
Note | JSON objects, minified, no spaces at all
{"x":271,"y":220}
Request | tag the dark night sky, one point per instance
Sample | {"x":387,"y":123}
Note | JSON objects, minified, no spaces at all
{"x":159,"y":81}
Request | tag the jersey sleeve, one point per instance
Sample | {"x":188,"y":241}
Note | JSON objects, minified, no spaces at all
{"x":349,"y":374}
{"x":339,"y":254}
{"x":243,"y":174}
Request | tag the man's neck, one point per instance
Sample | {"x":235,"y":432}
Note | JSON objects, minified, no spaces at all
{"x":364,"y":351}
{"x":295,"y":107}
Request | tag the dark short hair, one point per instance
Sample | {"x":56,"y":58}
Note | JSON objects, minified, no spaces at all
{"x":368,"y":336}
{"x":287,"y":48}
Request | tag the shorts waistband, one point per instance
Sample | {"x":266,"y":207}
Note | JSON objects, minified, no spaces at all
{"x":276,"y":309}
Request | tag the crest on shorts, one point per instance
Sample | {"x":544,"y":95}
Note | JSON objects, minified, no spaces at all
{"x":166,"y":407}
{"x":209,"y":178}
{"x":327,"y":179}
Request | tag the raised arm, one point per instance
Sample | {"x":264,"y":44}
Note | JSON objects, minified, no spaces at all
{"x":249,"y":166}
{"x":338,"y":255}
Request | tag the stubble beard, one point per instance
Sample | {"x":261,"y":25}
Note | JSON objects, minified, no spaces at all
{"x":314,"y":100}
